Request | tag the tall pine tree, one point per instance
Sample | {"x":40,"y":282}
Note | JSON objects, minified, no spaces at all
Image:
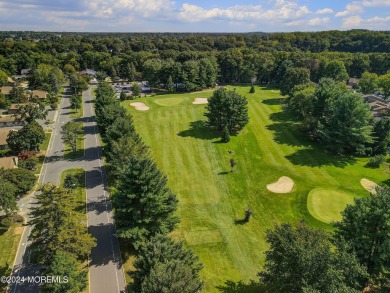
{"x":144,"y":205}
{"x":164,"y":265}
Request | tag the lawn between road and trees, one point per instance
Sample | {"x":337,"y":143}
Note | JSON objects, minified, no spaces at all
{"x":10,"y":238}
{"x":213,"y":200}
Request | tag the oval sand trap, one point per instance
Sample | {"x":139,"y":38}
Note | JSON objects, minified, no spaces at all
{"x":326,"y":204}
{"x":200,"y":101}
{"x":140,"y":106}
{"x":369,"y":185}
{"x":283,"y":185}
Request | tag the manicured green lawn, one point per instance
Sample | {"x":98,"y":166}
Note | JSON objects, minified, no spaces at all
{"x":80,"y":195}
{"x":326,"y":205}
{"x":212,"y":201}
{"x":9,"y":241}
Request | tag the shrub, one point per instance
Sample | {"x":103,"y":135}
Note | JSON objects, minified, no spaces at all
{"x":225,"y":135}
{"x":70,"y":181}
{"x":54,"y":106}
{"x":7,"y":222}
{"x":376,"y":161}
{"x":29,"y":164}
{"x":252,"y":90}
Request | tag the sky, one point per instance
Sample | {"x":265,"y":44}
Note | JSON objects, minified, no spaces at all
{"x":193,"y":16}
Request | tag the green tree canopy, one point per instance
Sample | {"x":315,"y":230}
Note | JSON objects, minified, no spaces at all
{"x":28,"y":138}
{"x":366,"y":227}
{"x":22,"y":179}
{"x":302,"y":259}
{"x":164,"y":265}
{"x":70,"y":133}
{"x":144,"y":205}
{"x":368,"y":82}
{"x":58,"y":226}
{"x":7,"y":197}
{"x":62,"y":265}
{"x":294,"y":76}
{"x":345,"y":127}
{"x":336,"y":69}
{"x":227,"y":108}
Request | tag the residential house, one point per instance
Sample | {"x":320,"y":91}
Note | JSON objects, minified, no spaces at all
{"x":89,"y":72}
{"x":379,"y":107}
{"x":9,"y":162}
{"x":352,"y":83}
{"x":10,"y":121}
{"x":13,"y":109}
{"x":3,"y":137}
{"x":39,"y":93}
{"x":25,"y":71}
{"x":5,"y":90}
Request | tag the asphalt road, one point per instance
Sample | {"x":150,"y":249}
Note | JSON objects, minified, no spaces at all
{"x":105,"y":266}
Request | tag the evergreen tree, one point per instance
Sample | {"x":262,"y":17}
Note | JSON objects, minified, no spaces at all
{"x":123,"y":96}
{"x":252,"y":90}
{"x":57,"y":226}
{"x":345,"y":127}
{"x":225,"y":135}
{"x":63,"y":265}
{"x":107,"y":115}
{"x":170,"y":84}
{"x":136,"y":89}
{"x":366,"y":227}
{"x":144,"y":205}
{"x":121,"y":151}
{"x":164,"y":265}
{"x":381,"y":134}
{"x":227,"y":108}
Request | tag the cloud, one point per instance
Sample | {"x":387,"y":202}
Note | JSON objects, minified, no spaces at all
{"x":351,"y":8}
{"x":352,"y":22}
{"x":325,"y":11}
{"x":281,"y":11}
{"x":310,"y":22}
{"x":369,"y":23}
{"x":375,"y":3}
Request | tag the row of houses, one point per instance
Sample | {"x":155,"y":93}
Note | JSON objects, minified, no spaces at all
{"x":41,"y":94}
{"x":379,"y":107}
{"x":7,"y":162}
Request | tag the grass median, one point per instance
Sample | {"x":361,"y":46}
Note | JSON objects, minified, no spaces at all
{"x":80,"y":197}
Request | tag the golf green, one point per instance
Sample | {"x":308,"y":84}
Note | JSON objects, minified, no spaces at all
{"x":169,"y":101}
{"x":326,"y":205}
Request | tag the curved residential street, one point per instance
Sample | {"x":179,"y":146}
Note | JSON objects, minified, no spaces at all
{"x":105,"y":266}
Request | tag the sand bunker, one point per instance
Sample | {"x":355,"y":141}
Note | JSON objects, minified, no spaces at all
{"x":369,"y":185}
{"x":283,"y":185}
{"x":199,"y":101}
{"x":140,"y":106}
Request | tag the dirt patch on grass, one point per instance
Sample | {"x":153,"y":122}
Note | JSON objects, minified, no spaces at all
{"x":18,"y":230}
{"x":140,"y":106}
{"x":369,"y":185}
{"x":283,"y":185}
{"x":200,"y":101}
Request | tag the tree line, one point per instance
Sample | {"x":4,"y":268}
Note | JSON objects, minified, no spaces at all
{"x":353,"y":258}
{"x":144,"y":205}
{"x":195,"y":60}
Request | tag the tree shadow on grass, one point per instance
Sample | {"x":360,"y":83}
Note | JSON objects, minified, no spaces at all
{"x":385,"y":183}
{"x":274,"y":101}
{"x":199,"y":129}
{"x":316,"y":158}
{"x":241,"y":287}
{"x":288,"y":134}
